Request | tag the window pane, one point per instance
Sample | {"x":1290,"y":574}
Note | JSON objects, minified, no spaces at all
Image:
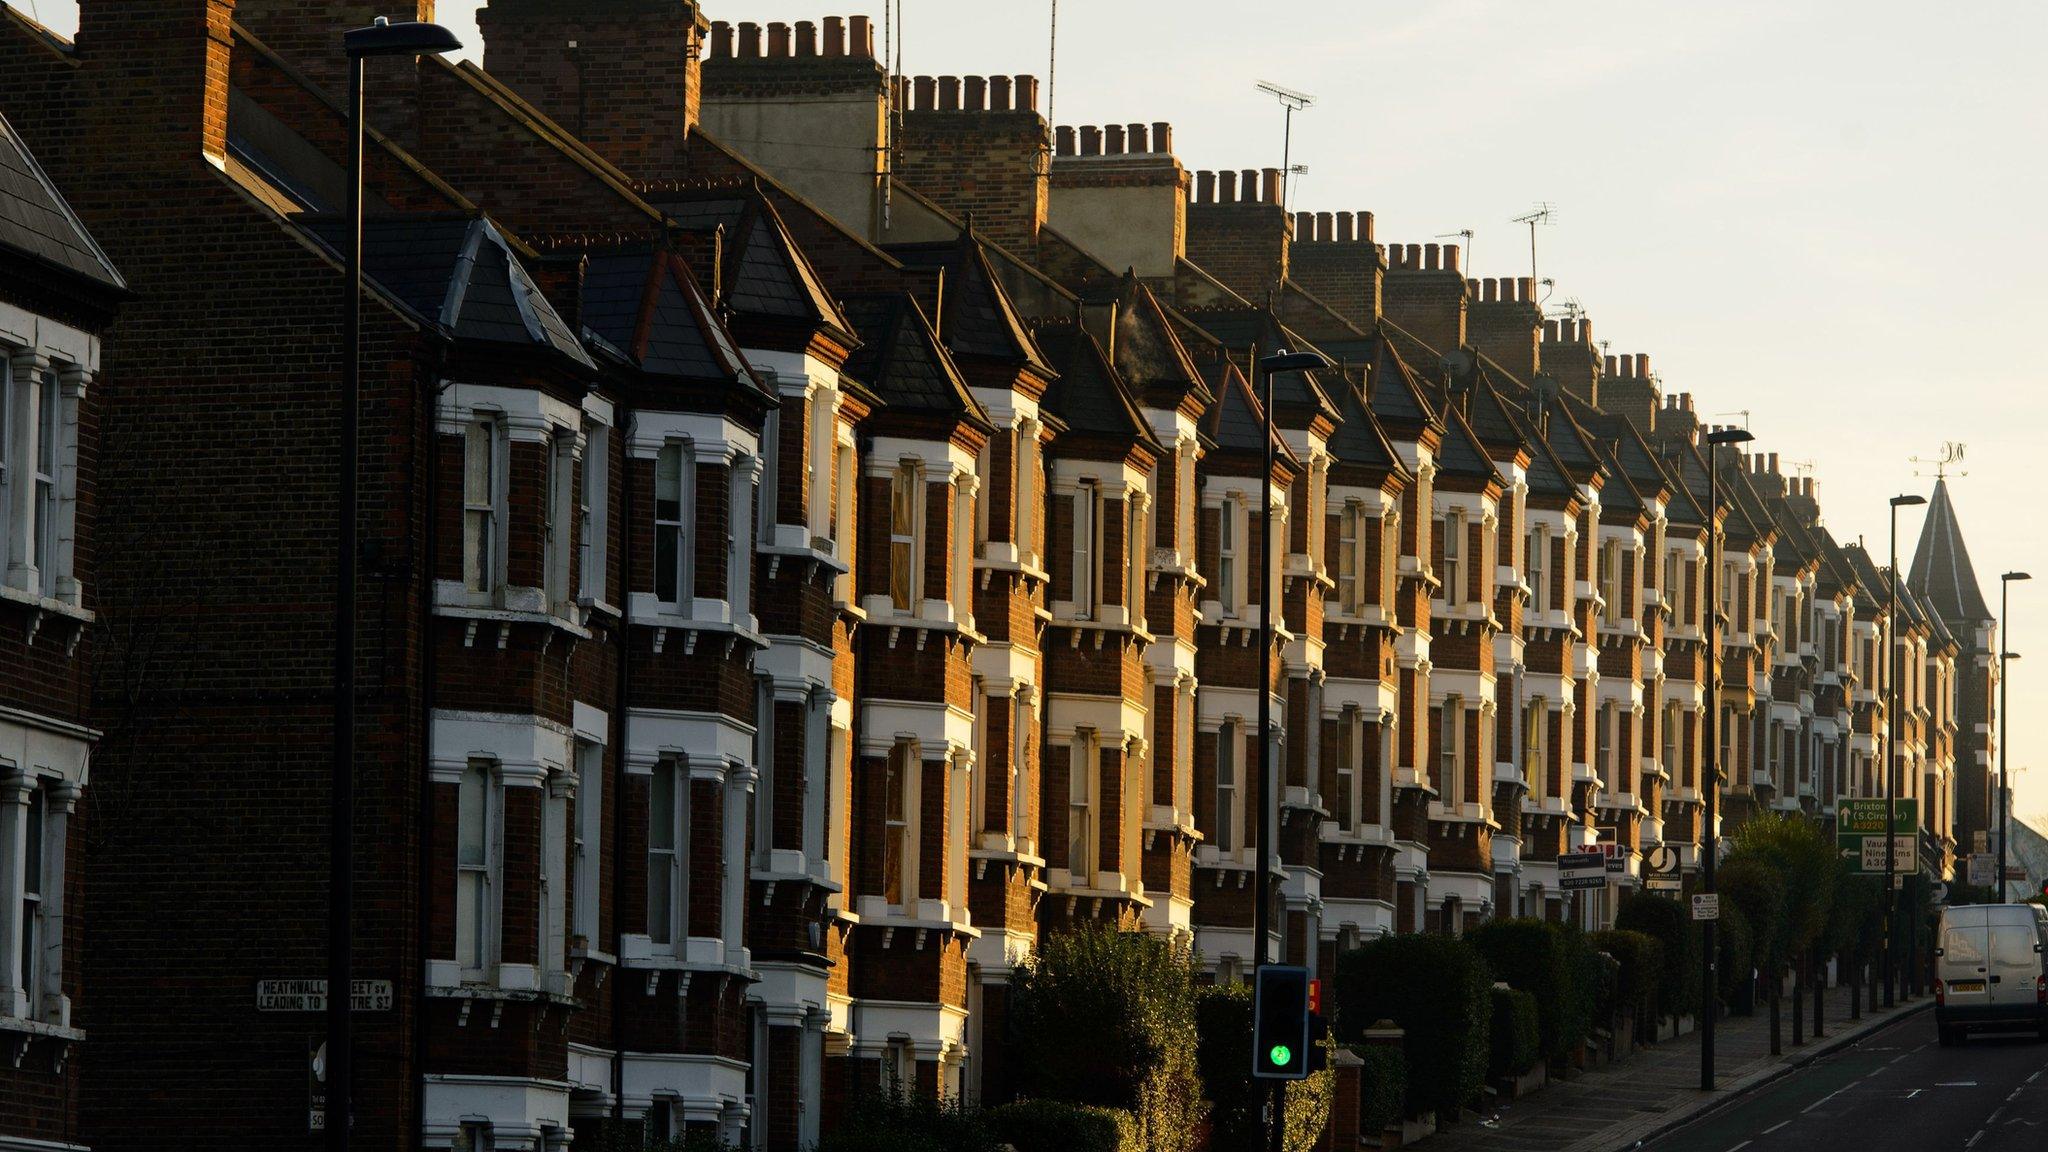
{"x":470,"y":842}
{"x":661,"y":808}
{"x":668,"y":543}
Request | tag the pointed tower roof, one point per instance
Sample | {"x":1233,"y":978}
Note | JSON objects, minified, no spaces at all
{"x":1941,"y":571}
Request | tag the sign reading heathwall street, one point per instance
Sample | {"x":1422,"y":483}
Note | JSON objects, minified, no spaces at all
{"x":288,"y":995}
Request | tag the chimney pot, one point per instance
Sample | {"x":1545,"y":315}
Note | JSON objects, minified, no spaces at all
{"x":1113,"y":140}
{"x":1525,"y":289}
{"x":1430,"y":255}
{"x":806,"y":38}
{"x":1027,"y":93}
{"x":1091,"y":140}
{"x":949,"y":93}
{"x":1205,"y":187}
{"x":1550,"y":330}
{"x":835,"y":36}
{"x":1326,"y":226}
{"x":1643,"y":365}
{"x":1000,"y":95}
{"x":1162,"y":136}
{"x":1413,"y":256}
{"x":927,"y":92}
{"x":778,"y":39}
{"x":1365,"y":226}
{"x":975,"y":97}
{"x":1064,"y":137}
{"x":1226,"y":187}
{"x":1347,"y":228}
{"x":1270,"y":191}
{"x":1774,"y":463}
{"x":1450,"y":257}
{"x":1612,"y":369}
{"x":1585,"y":330}
{"x":1138,"y":139}
{"x":721,"y":39}
{"x":750,"y":40}
{"x":1492,"y":287}
{"x":1304,"y":227}
{"x":860,"y":35}
{"x":1248,"y":186}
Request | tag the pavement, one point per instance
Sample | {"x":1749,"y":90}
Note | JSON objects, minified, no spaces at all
{"x":1638,"y":1101}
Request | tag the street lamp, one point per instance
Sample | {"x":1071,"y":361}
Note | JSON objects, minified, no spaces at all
{"x":2004,"y":637}
{"x":1891,"y":754}
{"x":380,"y":39}
{"x":1268,"y":367}
{"x":1710,"y":780}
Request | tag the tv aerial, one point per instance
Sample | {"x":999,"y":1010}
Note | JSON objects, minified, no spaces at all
{"x":1467,"y":234}
{"x":1544,"y":214}
{"x":1293,"y":101}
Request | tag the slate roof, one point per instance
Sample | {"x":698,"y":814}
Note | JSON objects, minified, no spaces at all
{"x":1359,"y":442}
{"x":459,"y":274}
{"x":764,"y":272}
{"x":1235,"y":422}
{"x":1258,"y":331}
{"x":1393,"y":395}
{"x":1090,"y":396}
{"x":36,"y":222}
{"x":641,"y":304}
{"x":1461,"y":454}
{"x":901,"y":359}
{"x":975,"y":314}
{"x":1148,"y":352}
{"x":1941,"y":569}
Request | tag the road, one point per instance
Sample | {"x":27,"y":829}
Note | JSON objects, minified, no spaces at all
{"x":1895,"y":1090}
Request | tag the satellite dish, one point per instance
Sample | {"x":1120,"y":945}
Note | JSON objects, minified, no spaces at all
{"x":1458,"y":362}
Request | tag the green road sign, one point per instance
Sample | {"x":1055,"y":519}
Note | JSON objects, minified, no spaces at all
{"x":1859,"y":833}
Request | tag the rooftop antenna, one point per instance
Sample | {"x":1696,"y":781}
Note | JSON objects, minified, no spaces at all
{"x":1293,"y":102}
{"x":1545,"y":213}
{"x":1548,"y":285}
{"x":1951,"y":455}
{"x":1571,"y":309}
{"x":1744,"y":412}
{"x":1467,"y":234}
{"x":1801,"y":468}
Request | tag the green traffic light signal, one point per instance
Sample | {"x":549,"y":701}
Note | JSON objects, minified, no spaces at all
{"x":1280,"y":1055}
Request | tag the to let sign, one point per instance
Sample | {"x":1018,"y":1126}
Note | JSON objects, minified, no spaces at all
{"x":1581,"y":870}
{"x":290,"y":995}
{"x":1706,"y":906}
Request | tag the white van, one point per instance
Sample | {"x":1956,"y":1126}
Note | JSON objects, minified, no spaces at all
{"x":1989,"y":970}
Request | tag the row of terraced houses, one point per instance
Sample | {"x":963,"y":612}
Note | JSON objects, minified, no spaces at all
{"x":811,"y":551}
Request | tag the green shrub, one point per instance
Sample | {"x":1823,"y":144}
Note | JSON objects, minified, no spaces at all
{"x":1736,"y":957}
{"x":1057,"y":1126}
{"x":1516,"y":1037}
{"x":1641,"y":968}
{"x":1587,"y":979}
{"x":1671,"y":925}
{"x":1223,"y":1019}
{"x":1438,"y":990}
{"x":1382,"y":1090}
{"x":906,"y":1122}
{"x":1107,"y":1018}
{"x":1750,"y":883}
{"x":1807,"y":863}
{"x":1532,"y":957}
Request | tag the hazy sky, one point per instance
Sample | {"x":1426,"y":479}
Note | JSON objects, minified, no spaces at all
{"x":1826,"y":214}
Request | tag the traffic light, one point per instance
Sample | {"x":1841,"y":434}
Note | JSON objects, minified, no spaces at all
{"x":1280,"y":1023}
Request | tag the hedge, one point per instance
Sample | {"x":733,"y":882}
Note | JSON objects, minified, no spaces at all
{"x":1223,"y":1023}
{"x":1735,"y":953}
{"x":907,"y":1122}
{"x":1641,"y":961}
{"x":1516,"y":1039}
{"x":1382,"y":1089}
{"x":1587,"y":977}
{"x":1532,"y":957}
{"x":1057,"y":1126}
{"x":1438,"y":989}
{"x":1669,"y":923}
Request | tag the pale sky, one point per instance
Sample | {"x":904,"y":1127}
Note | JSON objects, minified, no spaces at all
{"x":1827,"y":214}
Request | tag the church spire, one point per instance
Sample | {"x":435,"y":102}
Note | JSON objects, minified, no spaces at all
{"x":1941,"y":572}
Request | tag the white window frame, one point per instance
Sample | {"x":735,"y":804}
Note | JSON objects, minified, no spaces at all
{"x":745,"y":483}
{"x":978,"y":795}
{"x":961,"y":574}
{"x":669,"y":861}
{"x":1606,"y":747}
{"x":557,"y":518}
{"x":1024,"y":721}
{"x":551,"y":881}
{"x":33,"y":926}
{"x":48,"y":461}
{"x":1084,"y":772}
{"x":1024,"y":492}
{"x":483,"y":507}
{"x":1229,"y":791}
{"x":1539,"y":568}
{"x":1451,"y":752}
{"x":1536,"y":748}
{"x":10,"y":396}
{"x":899,"y":823}
{"x":1673,"y":751}
{"x":1350,"y":752}
{"x":681,"y":490}
{"x":594,"y":512}
{"x":1351,"y":557}
{"x":906,"y":540}
{"x":479,"y":879}
{"x":1228,"y":546}
{"x":1135,"y":533}
{"x":1454,"y":558}
{"x":1085,"y":587}
{"x":587,"y":872}
{"x":1390,"y":558}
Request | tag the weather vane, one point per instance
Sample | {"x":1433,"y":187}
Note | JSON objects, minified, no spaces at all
{"x":1951,"y":456}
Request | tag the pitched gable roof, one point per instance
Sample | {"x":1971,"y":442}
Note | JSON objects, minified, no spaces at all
{"x":902,"y":360}
{"x":1089,"y":396}
{"x":37,"y":223}
{"x":976,"y":317}
{"x":1941,"y":569}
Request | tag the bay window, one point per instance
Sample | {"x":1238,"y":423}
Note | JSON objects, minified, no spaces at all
{"x":1086,"y":503}
{"x":1081,"y":773}
{"x":479,"y":814}
{"x":1227,"y":755}
{"x":906,"y":530}
{"x":1454,"y":559}
{"x":1226,"y":556}
{"x":675,"y":476}
{"x":483,"y":501}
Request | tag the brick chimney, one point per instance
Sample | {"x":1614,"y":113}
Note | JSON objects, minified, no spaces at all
{"x":1120,"y":193}
{"x":171,"y":62}
{"x":1425,"y":294}
{"x":977,"y":145}
{"x":1676,"y":421}
{"x":1627,"y":389}
{"x":621,"y":74}
{"x":307,"y":33}
{"x":1334,"y":258}
{"x":1569,"y":357}
{"x":1238,"y":230}
{"x":810,"y":105}
{"x":1503,"y":320}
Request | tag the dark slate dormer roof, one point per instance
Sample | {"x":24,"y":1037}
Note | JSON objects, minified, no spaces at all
{"x":1941,"y":570}
{"x":975,"y":314}
{"x":902,"y":361}
{"x":1646,"y":474}
{"x":1836,"y":573}
{"x":1869,"y":575}
{"x":1359,"y":442}
{"x":1489,"y":416}
{"x":642,"y":305}
{"x":458,"y":273}
{"x":36,"y":223}
{"x":1148,"y":352}
{"x":763,"y":272}
{"x":1235,"y":422}
{"x":1461,"y":454}
{"x":1548,"y":475}
{"x":1573,"y":448}
{"x":1394,"y":397}
{"x":1257,"y":332}
{"x":1090,"y":396}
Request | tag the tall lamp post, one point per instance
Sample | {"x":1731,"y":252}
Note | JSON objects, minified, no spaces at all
{"x":2004,"y":784}
{"x":1891,"y":756}
{"x":1269,"y":808}
{"x":1710,"y":779}
{"x":380,"y":39}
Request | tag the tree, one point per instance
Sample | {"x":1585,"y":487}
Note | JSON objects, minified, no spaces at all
{"x":1438,"y":989}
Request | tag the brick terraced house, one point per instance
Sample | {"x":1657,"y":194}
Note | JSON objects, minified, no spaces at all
{"x":812,"y":552}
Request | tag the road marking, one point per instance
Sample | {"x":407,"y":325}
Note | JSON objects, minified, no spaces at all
{"x":1993,"y":1118}
{"x":1739,"y":1147}
{"x":2015,"y":1095}
{"x":1957,"y":1084}
{"x":1972,"y":1141}
{"x":1815,"y":1104}
{"x":1899,"y":1057}
{"x":1775,"y":1127}
{"x":1915,"y":1092}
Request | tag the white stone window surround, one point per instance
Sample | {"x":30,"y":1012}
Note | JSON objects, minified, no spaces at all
{"x":592,"y":737}
{"x":706,"y":440}
{"x":1117,"y":488}
{"x":890,"y":730}
{"x":599,"y":429}
{"x":1016,"y":415}
{"x":706,"y":746}
{"x":521,"y":751}
{"x":807,"y":384}
{"x":1237,"y":497}
{"x":944,"y":465}
{"x":39,"y":490}
{"x":49,"y":761}
{"x":522,"y":1114}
